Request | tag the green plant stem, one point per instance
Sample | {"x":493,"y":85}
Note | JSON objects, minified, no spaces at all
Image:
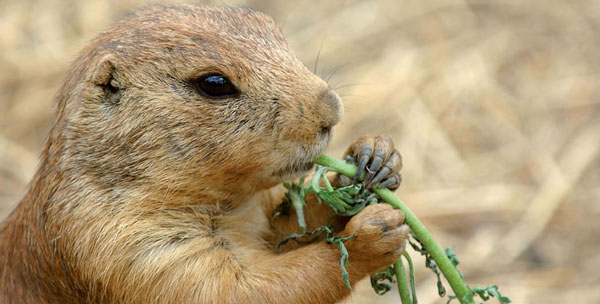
{"x":411,"y":267}
{"x":461,"y":290}
{"x":298,"y":203}
{"x":327,"y":183}
{"x":402,"y":282}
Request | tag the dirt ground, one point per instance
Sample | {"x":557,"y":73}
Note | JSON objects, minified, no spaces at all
{"x":495,"y":106}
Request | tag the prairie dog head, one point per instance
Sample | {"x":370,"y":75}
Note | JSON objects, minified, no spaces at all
{"x":193,"y":99}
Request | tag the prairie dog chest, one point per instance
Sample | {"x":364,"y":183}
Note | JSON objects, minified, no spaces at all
{"x":247,"y":226}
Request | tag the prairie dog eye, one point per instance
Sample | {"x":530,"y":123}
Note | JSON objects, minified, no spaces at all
{"x":216,"y":86}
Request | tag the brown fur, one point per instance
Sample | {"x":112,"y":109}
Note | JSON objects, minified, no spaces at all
{"x":148,"y":192}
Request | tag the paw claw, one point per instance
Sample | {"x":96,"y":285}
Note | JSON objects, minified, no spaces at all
{"x":361,"y":167}
{"x":373,"y":169}
{"x":392,"y":182}
{"x":343,"y":180}
{"x":380,"y":176}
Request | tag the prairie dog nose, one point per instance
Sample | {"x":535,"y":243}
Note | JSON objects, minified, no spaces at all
{"x":329,"y":108}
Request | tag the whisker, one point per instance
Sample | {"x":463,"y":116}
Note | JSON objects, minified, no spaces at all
{"x":330,"y":74}
{"x":318,"y":55}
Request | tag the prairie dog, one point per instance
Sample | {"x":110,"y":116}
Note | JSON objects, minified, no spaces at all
{"x":172,"y":132}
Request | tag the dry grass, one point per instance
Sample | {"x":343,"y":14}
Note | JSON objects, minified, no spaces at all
{"x":494,"y":104}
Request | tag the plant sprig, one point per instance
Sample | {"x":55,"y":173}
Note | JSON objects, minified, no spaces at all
{"x":436,"y":258}
{"x":347,"y":201}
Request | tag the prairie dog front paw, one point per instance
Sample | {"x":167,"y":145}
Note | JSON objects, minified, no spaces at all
{"x":380,"y":235}
{"x":377,"y":156}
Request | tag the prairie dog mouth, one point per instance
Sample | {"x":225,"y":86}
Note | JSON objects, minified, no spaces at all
{"x":301,"y":157}
{"x":298,"y":167}
{"x":300,"y":162}
{"x":293,"y":171}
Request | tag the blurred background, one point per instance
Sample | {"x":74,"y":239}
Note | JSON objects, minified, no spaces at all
{"x":495,"y":106}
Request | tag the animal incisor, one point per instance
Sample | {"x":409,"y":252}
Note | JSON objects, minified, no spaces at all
{"x":173,"y":130}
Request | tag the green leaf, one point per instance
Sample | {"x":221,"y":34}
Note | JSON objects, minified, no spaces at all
{"x":490,"y":291}
{"x":378,"y":280}
{"x":338,"y":241}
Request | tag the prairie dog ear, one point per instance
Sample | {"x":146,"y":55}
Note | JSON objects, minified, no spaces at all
{"x":104,"y":76}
